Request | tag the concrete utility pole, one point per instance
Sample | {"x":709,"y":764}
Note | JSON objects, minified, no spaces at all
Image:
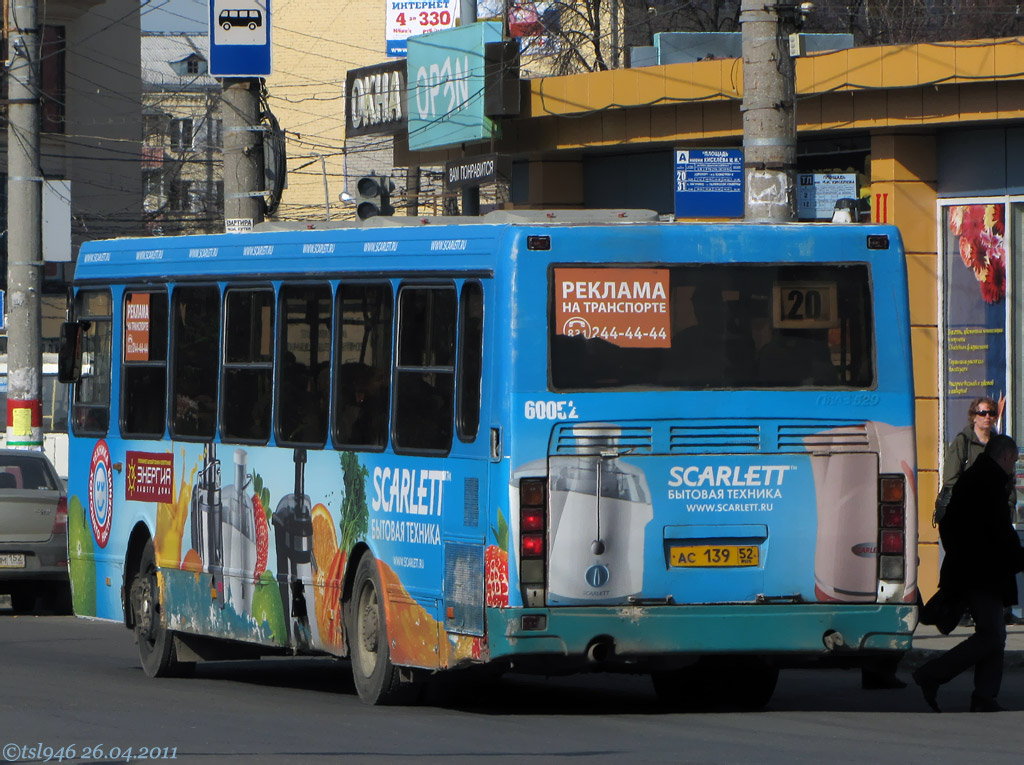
{"x":471,"y":195}
{"x":769,"y":110}
{"x":24,"y":231}
{"x":243,"y":150}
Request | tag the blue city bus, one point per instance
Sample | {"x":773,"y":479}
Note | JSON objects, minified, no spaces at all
{"x":679,"y":449}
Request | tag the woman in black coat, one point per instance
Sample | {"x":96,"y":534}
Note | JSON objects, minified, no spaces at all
{"x":983,"y":555}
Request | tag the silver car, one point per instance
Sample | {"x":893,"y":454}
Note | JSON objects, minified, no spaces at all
{"x":33,"y":532}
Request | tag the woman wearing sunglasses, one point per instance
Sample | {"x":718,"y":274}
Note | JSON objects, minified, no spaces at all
{"x":969,"y":442}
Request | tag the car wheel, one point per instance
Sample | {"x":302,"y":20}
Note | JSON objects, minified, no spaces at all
{"x":376,"y":679}
{"x":155,"y":641}
{"x":252,"y":26}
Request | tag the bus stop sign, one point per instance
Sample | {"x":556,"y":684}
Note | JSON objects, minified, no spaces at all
{"x":709,"y":183}
{"x":240,"y":38}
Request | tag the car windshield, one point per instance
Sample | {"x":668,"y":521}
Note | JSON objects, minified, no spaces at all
{"x":25,"y":472}
{"x":735,"y":325}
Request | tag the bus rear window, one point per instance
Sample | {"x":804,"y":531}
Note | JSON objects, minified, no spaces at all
{"x":711,"y":326}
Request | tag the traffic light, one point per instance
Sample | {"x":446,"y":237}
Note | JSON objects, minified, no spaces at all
{"x":374,"y":196}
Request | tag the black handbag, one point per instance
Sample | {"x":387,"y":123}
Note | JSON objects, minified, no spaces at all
{"x":943,"y":610}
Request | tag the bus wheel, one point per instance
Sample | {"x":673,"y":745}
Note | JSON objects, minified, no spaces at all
{"x":376,"y":679}
{"x":156,"y":644}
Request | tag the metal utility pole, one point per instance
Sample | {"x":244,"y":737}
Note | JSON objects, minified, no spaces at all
{"x":769,"y":110}
{"x":243,"y":150}
{"x":24,"y":231}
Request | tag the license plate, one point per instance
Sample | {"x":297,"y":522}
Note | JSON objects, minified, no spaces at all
{"x":703,"y":556}
{"x":12,"y":560}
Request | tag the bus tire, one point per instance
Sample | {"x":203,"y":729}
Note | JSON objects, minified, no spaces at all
{"x":156,"y":643}
{"x":377,"y":680}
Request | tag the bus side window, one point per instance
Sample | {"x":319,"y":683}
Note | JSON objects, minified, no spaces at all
{"x":471,"y":341}
{"x":248,"y":365}
{"x":144,"y":371}
{"x":91,"y":413}
{"x":303,"y":364}
{"x":362,"y":387}
{"x":195,"y":339}
{"x":425,"y":373}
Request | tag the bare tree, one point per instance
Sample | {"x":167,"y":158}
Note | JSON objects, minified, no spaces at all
{"x":592,"y":35}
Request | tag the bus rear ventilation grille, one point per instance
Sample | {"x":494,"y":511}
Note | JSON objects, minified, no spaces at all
{"x":593,"y":440}
{"x":687,"y":439}
{"x":823,"y":436}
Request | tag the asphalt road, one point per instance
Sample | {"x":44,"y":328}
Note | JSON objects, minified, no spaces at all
{"x":68,"y":682}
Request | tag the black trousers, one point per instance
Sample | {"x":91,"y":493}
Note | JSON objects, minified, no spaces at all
{"x":983,"y":650}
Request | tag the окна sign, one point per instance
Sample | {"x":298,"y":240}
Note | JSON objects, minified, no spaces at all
{"x":375,"y":99}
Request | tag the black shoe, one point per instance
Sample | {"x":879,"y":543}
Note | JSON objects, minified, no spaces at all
{"x":984,"y":704}
{"x":929,"y":689}
{"x":879,"y":681}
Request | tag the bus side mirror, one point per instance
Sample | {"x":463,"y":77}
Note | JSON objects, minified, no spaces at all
{"x":69,"y":359}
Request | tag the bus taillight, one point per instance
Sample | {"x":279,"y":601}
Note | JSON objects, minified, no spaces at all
{"x":533,"y":514}
{"x":892,"y":518}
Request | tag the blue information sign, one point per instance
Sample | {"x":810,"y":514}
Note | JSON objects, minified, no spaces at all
{"x":709,"y":183}
{"x":240,"y":38}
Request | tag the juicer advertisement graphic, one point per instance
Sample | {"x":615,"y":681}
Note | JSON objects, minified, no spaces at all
{"x":236,"y":528}
{"x":803,"y":514}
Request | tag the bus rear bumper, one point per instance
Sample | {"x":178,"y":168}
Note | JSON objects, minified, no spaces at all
{"x":644,"y":633}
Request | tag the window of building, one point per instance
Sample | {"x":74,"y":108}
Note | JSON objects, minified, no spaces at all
{"x":304,"y":366}
{"x":195,"y":341}
{"x":152,"y":181}
{"x":181,"y":134}
{"x":215,"y":135}
{"x":52,"y":78}
{"x":425,"y":372}
{"x":144,"y":374}
{"x":179,"y":195}
{"x":248,"y":366}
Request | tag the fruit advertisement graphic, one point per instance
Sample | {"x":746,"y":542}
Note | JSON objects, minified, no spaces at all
{"x":81,"y":567}
{"x":496,"y":565}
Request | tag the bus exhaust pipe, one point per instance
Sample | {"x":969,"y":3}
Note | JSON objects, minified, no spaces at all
{"x":833,"y":640}
{"x":600,"y":650}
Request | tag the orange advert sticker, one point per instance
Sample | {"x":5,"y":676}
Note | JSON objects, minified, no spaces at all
{"x":628,"y":307}
{"x":136,"y":327}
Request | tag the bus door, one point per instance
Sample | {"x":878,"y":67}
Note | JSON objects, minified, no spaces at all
{"x":469,"y":561}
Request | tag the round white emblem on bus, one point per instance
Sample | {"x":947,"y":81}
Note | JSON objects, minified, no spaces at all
{"x":101,"y":493}
{"x":597,"y":576}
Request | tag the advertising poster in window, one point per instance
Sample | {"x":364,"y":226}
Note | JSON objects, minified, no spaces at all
{"x":974,"y":252}
{"x":136,"y":327}
{"x":627,"y":307}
